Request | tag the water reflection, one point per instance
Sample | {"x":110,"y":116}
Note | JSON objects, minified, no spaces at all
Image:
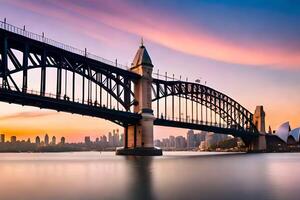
{"x":91,"y":176}
{"x":140,"y":169}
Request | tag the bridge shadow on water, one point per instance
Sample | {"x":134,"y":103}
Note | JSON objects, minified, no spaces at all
{"x":141,"y":184}
{"x":140,"y":170}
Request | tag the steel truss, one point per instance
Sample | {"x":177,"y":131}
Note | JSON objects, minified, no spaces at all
{"x":205,"y":101}
{"x":37,"y":55}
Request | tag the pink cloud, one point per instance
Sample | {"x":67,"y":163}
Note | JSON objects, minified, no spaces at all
{"x":158,"y":27}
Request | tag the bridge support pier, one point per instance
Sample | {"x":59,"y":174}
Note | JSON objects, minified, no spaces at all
{"x":139,"y":137}
{"x":258,"y":144}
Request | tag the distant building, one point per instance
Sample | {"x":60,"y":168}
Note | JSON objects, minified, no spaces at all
{"x":37,"y":140}
{"x":62,"y":140}
{"x":165,"y":143}
{"x":53,"y":141}
{"x":122,"y":139}
{"x":116,"y":138}
{"x":28,"y":140}
{"x":46,"y":139}
{"x":157,"y":143}
{"x":180,"y":142}
{"x":190,"y":139}
{"x":13,"y":139}
{"x":87,"y":140}
{"x":97,"y":140}
{"x":172,"y":141}
{"x":2,"y":138}
{"x":110,"y":139}
{"x":103,"y":139}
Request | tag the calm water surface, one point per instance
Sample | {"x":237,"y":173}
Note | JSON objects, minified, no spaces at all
{"x":176,"y":175}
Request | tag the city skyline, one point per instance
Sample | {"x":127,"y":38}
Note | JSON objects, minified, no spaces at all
{"x":254,"y":64}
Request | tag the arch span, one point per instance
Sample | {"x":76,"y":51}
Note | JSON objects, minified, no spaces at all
{"x":220,"y":106}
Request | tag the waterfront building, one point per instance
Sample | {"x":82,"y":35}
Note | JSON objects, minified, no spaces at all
{"x":122,"y":139}
{"x":110,"y":139}
{"x":116,"y":139}
{"x":13,"y":139}
{"x":37,"y":140}
{"x":165,"y":142}
{"x":180,"y":142}
{"x":62,"y":140}
{"x":157,"y":143}
{"x":46,"y":140}
{"x":190,"y":139}
{"x":172,"y":141}
{"x":87,"y":140}
{"x":2,"y":138}
{"x":287,"y":135}
{"x":53,"y":141}
{"x":103,"y":139}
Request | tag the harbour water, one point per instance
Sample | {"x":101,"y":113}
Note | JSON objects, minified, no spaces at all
{"x":176,"y":175}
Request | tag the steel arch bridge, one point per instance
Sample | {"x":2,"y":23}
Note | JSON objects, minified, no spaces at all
{"x":89,"y":85}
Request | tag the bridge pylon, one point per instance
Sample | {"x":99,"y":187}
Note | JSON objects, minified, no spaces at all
{"x":259,"y":144}
{"x":138,"y":138}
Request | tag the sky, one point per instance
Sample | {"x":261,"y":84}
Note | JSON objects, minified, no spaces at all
{"x":249,"y":50}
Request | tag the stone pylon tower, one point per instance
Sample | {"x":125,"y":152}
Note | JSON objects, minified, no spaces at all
{"x":259,"y":119}
{"x":139,"y":137}
{"x":259,"y":143}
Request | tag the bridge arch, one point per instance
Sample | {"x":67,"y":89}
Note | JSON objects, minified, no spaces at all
{"x":231,"y":112}
{"x":114,"y":81}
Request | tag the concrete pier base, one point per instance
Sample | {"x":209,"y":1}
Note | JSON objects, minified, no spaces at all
{"x":139,"y":151}
{"x":258,"y":144}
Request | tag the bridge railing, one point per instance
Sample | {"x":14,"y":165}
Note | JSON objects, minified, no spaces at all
{"x":43,"y":39}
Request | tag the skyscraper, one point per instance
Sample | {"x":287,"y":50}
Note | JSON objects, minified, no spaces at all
{"x":53,"y":142}
{"x":2,"y":138}
{"x":172,"y":141}
{"x":87,"y":140}
{"x":190,"y":139}
{"x":62,"y":140}
{"x":13,"y":139}
{"x":46,"y":139}
{"x":37,"y":140}
{"x":110,"y":139}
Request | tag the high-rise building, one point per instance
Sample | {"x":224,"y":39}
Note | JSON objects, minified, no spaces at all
{"x":110,"y":139}
{"x":62,"y":140}
{"x":13,"y":139}
{"x":190,"y":139}
{"x":87,"y":140}
{"x":116,"y":139}
{"x":37,"y":140}
{"x":122,"y":139}
{"x":53,"y":141}
{"x":2,"y":138}
{"x":46,"y":139}
{"x":172,"y":141}
{"x":180,"y":142}
{"x":103,"y":139}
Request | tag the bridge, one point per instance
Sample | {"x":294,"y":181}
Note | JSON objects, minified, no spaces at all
{"x":133,"y":97}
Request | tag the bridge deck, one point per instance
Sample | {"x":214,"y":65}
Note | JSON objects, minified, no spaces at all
{"x":204,"y":127}
{"x":119,"y":117}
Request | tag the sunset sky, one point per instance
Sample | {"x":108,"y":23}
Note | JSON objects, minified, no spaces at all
{"x":249,"y":50}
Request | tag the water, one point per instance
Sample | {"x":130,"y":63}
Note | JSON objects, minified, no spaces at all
{"x":176,"y":175}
